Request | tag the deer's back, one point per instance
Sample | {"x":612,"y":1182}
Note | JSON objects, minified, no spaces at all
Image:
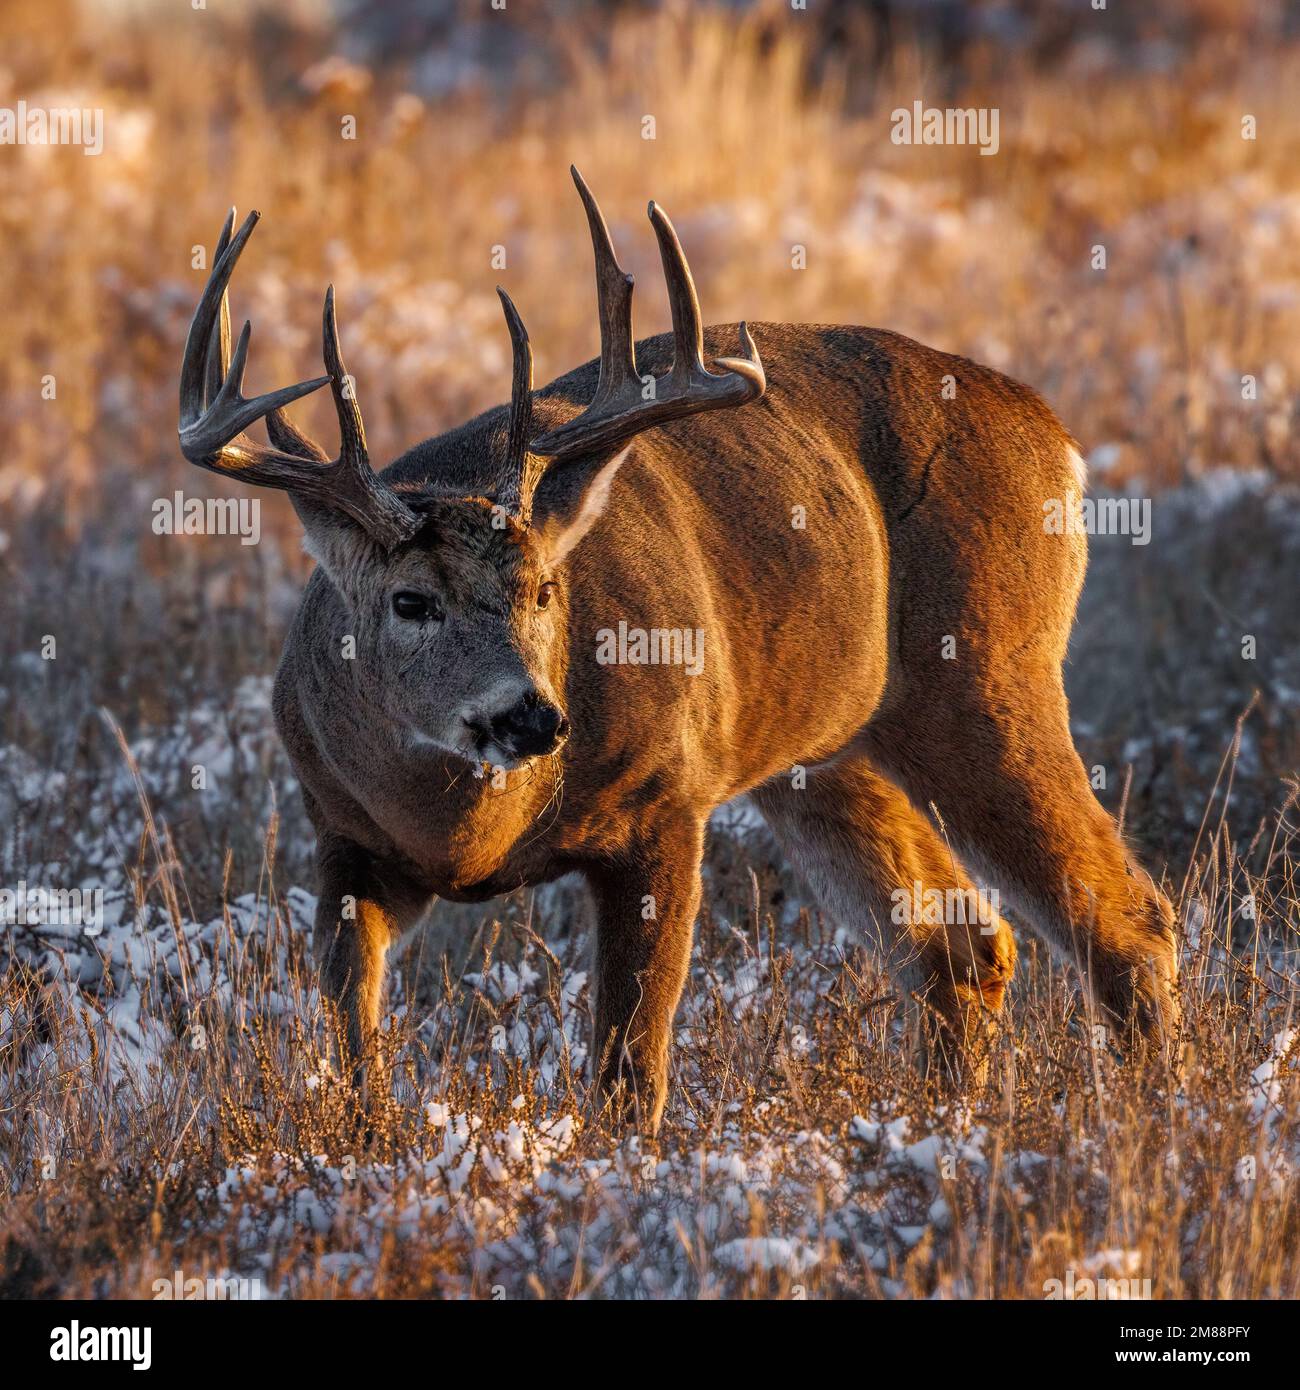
{"x":840,"y":401}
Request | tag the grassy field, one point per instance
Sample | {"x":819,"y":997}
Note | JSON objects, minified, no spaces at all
{"x":165,"y":1098}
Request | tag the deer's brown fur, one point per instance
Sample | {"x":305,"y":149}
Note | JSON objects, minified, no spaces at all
{"x":922,"y":519}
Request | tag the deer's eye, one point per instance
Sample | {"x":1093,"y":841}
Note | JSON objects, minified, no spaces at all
{"x":416,"y":607}
{"x":545,"y":594}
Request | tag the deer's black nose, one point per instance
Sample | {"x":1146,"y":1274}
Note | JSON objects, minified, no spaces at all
{"x":531,"y":728}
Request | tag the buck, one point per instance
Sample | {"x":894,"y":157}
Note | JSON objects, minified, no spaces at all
{"x":883,"y":618}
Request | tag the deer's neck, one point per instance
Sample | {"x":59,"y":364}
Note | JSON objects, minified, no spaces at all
{"x":464,"y":826}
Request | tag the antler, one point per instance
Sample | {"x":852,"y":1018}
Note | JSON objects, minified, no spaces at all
{"x":515,"y":494}
{"x":621,"y":406}
{"x":214,"y":413}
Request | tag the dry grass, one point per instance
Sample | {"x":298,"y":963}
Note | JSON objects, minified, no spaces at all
{"x":169,"y":1106}
{"x":224,"y":1145}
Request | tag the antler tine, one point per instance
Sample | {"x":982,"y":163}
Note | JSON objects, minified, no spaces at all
{"x":352,"y":429}
{"x":351,"y":485}
{"x":214,"y":413}
{"x":688,"y":334}
{"x":614,"y":288}
{"x":218,"y":357}
{"x":750,"y":366}
{"x":621,"y":406}
{"x":514,"y":494}
{"x":207,"y":427}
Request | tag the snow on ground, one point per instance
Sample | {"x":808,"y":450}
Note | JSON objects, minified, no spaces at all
{"x":519,"y":1196}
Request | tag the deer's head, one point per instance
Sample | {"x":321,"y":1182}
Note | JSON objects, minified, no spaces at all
{"x":459,"y":603}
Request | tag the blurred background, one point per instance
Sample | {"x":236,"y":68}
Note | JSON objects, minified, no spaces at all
{"x":1120,"y":127}
{"x":416,"y":154}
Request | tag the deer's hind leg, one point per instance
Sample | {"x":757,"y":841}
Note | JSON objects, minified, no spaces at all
{"x":1001,"y":769}
{"x":876,"y":865}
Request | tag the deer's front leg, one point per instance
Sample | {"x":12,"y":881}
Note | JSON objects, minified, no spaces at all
{"x":646,"y":905}
{"x":362,"y":906}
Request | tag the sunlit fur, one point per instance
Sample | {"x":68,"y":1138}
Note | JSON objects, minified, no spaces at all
{"x":827,"y":540}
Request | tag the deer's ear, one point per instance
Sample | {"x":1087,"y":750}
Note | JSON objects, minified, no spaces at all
{"x":571,"y":498}
{"x":338,"y":545}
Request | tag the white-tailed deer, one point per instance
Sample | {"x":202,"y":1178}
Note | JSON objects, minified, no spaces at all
{"x":580,"y":622}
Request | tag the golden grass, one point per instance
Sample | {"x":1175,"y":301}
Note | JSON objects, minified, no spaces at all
{"x":752,"y":155}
